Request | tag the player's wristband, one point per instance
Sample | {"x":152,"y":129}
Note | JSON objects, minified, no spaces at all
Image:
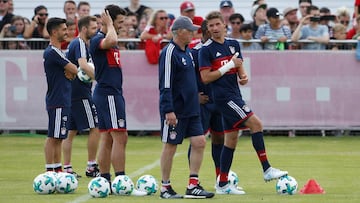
{"x":229,"y":65}
{"x":225,"y":68}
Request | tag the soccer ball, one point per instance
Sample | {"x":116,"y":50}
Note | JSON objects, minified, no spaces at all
{"x":147,"y":183}
{"x":99,"y":187}
{"x":44,"y":183}
{"x":286,"y":185}
{"x":66,"y":183}
{"x":83,"y":76}
{"x":122,"y":185}
{"x":233,"y":178}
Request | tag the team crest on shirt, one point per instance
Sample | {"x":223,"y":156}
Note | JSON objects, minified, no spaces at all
{"x":183,"y":61}
{"x":232,"y":49}
{"x":246,"y":108}
{"x":121,"y":123}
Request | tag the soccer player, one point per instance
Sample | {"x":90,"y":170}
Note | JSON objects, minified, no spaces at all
{"x":211,"y":117}
{"x":108,"y":94}
{"x":83,"y":112}
{"x":179,"y":109}
{"x":220,"y":62}
{"x":59,"y":73}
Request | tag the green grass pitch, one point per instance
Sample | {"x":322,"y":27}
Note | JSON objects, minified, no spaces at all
{"x":334,"y":162}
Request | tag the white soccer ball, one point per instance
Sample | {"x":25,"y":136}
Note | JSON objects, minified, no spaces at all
{"x":148,"y":184}
{"x":286,"y":185}
{"x":122,"y":185}
{"x":83,"y":76}
{"x":44,"y":183}
{"x":66,"y":183}
{"x":233,"y":178}
{"x":99,"y":187}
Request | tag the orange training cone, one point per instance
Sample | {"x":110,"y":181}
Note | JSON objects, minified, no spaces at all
{"x":312,"y":187}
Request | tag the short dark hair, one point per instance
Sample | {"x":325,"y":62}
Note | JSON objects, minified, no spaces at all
{"x":38,"y":8}
{"x":311,"y":8}
{"x":130,"y":13}
{"x":245,"y":27}
{"x":70,"y":1}
{"x":82,"y":3}
{"x":54,"y":23}
{"x":324,"y":10}
{"x":204,"y":26}
{"x":85,"y":21}
{"x":70,"y":22}
{"x":115,"y":10}
{"x":306,"y":1}
{"x":235,"y":16}
{"x":214,"y":15}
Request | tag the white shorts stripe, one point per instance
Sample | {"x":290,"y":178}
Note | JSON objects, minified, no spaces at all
{"x":57,"y":123}
{"x":237,"y":109}
{"x":165,"y":132}
{"x":89,"y":114}
{"x":112,"y":109}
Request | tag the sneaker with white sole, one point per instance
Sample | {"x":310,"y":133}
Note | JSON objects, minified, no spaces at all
{"x":273,"y":173}
{"x":237,"y":187}
{"x":197,"y":192}
{"x":138,"y":193}
{"x":229,"y":189}
{"x":170,"y":194}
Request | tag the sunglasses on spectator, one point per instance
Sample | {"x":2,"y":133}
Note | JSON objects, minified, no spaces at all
{"x":4,"y":1}
{"x":43,"y":14}
{"x":163,"y":18}
{"x":344,"y":21}
{"x":234,"y":22}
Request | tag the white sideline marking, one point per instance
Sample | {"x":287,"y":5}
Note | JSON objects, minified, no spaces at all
{"x":140,"y":171}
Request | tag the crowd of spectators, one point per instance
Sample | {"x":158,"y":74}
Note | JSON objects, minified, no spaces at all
{"x":144,"y":27}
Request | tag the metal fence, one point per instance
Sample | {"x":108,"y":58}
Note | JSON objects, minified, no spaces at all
{"x":135,"y":43}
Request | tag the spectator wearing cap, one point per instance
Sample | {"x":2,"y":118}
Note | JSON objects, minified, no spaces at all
{"x":290,"y":14}
{"x":258,"y":13}
{"x":274,"y":30}
{"x":312,"y":31}
{"x":246,"y":34}
{"x":236,"y":20}
{"x":187,"y":8}
{"x":226,"y":10}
